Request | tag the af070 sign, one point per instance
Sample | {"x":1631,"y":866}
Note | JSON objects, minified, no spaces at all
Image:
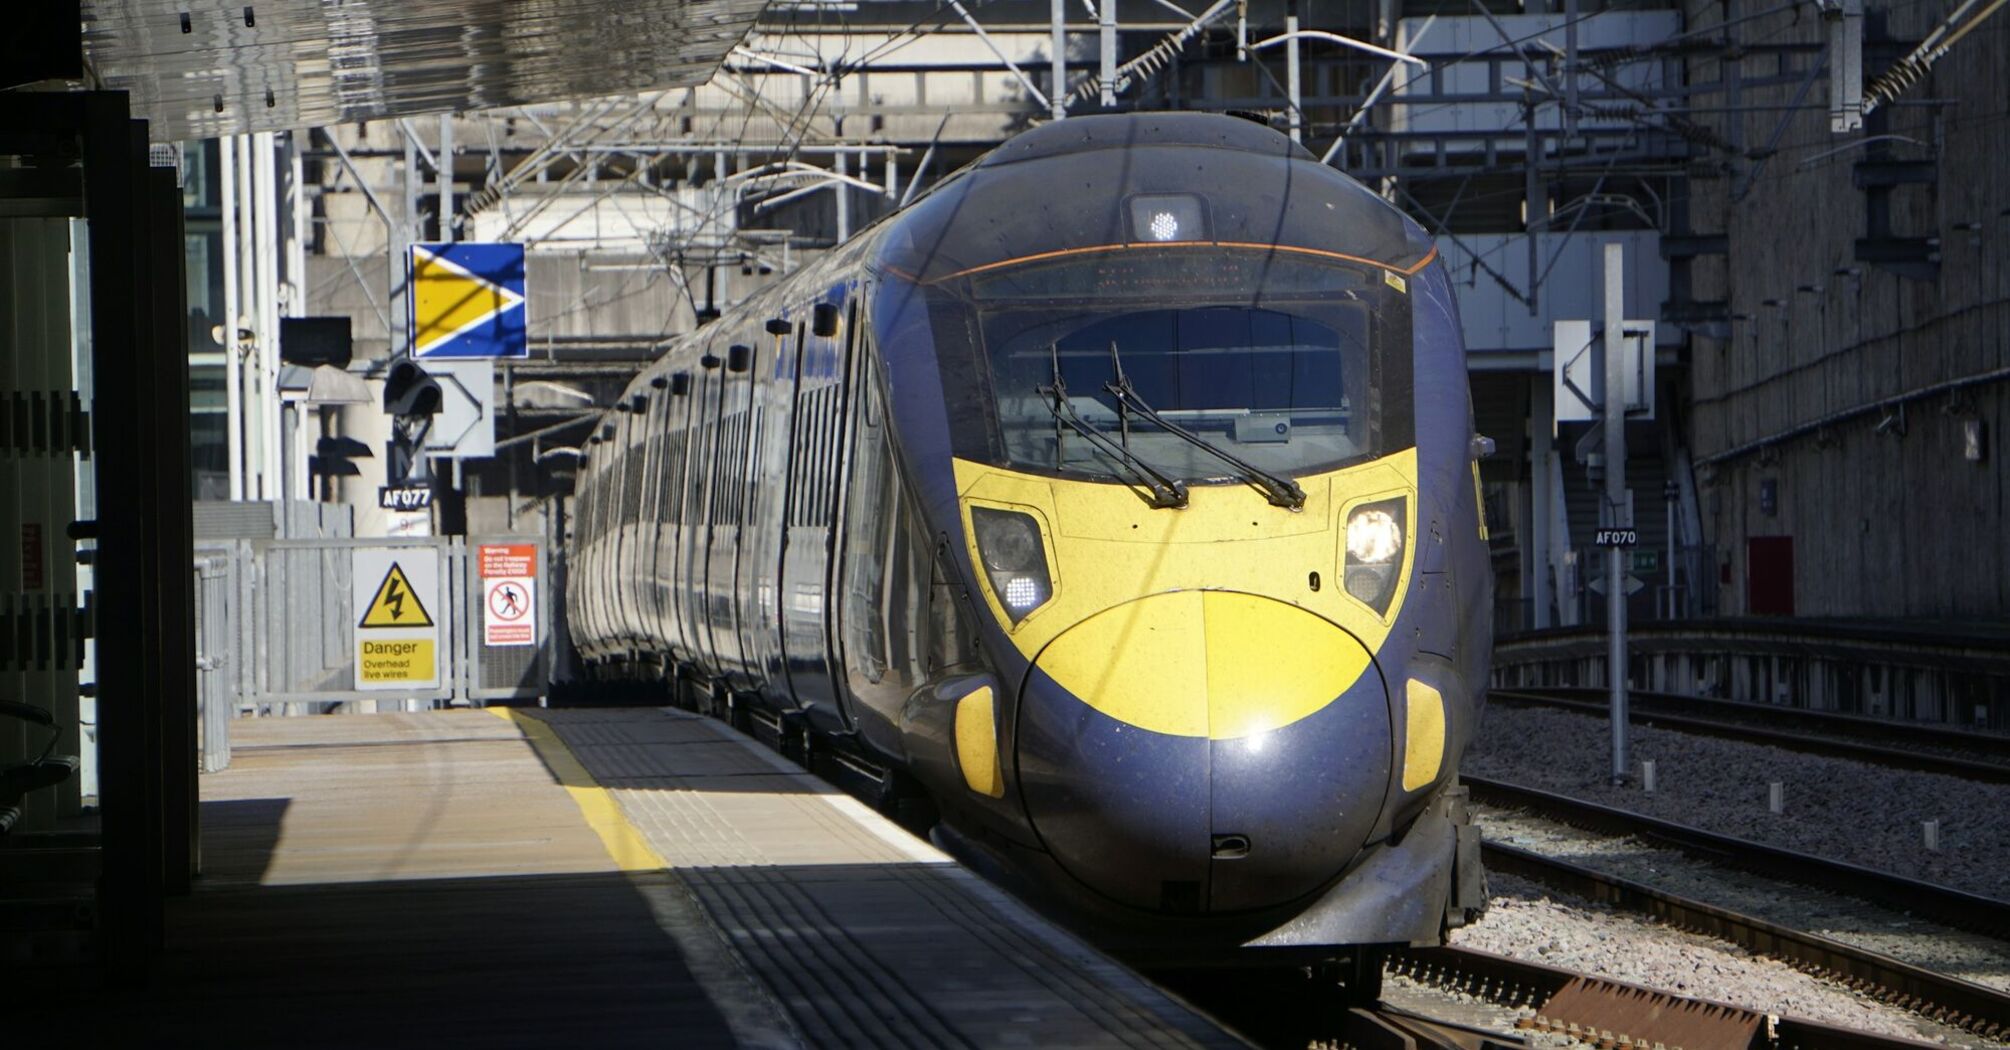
{"x":395,"y":601}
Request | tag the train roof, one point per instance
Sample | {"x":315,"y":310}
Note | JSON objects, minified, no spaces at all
{"x":1126,"y":130}
{"x":1071,"y":184}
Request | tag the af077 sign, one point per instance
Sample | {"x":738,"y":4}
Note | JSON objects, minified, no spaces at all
{"x":395,"y":600}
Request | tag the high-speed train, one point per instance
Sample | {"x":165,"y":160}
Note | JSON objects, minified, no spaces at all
{"x":1121,"y":495}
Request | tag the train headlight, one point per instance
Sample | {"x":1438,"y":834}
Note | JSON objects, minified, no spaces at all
{"x":1164,"y":217}
{"x":1374,"y":552}
{"x":1009,"y":544}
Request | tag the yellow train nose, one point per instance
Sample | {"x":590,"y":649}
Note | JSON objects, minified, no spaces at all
{"x":1216,"y":664}
{"x":1204,"y":751}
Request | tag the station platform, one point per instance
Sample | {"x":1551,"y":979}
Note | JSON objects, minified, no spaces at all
{"x":606,"y":877}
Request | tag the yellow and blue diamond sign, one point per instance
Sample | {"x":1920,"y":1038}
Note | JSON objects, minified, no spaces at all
{"x":467,"y":300}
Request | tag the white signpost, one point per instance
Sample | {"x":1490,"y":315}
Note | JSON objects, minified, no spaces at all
{"x":465,"y":426}
{"x":1577,"y":372}
{"x":395,"y":597}
{"x":1608,"y":378}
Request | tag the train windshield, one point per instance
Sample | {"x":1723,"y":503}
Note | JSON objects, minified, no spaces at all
{"x":1279,"y":359}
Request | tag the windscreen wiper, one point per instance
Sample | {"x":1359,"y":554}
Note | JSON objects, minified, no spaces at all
{"x":1160,"y":492}
{"x":1280,"y":491}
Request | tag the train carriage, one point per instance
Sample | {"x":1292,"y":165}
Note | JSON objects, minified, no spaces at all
{"x":1121,"y":495}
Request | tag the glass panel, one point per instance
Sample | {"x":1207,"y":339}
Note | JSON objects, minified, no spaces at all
{"x":1269,"y":356}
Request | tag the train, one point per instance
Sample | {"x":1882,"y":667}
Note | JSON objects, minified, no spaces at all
{"x":1118,"y":499}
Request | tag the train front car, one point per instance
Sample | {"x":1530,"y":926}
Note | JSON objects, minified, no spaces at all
{"x":1209,"y":475}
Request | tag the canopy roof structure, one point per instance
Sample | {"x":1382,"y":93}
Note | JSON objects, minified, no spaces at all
{"x":201,"y":68}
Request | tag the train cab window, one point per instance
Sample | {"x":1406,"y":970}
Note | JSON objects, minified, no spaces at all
{"x":1280,"y":359}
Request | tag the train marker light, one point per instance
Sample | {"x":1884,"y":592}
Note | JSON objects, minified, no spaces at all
{"x":1008,"y":542}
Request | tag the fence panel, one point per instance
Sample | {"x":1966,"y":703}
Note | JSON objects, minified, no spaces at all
{"x":279,"y":626}
{"x":510,"y":656}
{"x":217,"y":675}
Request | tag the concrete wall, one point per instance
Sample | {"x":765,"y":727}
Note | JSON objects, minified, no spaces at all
{"x":1887,"y":516}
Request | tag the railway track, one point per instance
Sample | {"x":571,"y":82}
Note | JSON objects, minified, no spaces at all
{"x":1466,"y":999}
{"x":1597,"y":1012}
{"x":1928,"y":900}
{"x":1948,"y":1000}
{"x":1958,"y":752}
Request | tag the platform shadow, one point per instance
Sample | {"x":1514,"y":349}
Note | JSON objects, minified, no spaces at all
{"x":548,"y":960}
{"x":239,"y":837}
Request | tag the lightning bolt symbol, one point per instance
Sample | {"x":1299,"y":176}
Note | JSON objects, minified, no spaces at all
{"x":394,"y":598}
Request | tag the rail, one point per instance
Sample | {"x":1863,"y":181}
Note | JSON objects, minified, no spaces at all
{"x":1751,"y":723}
{"x":1929,"y":900}
{"x":1948,"y":999}
{"x":1595,"y":1006}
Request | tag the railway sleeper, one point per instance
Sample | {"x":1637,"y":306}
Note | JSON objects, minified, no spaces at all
{"x":1613,"y":1015}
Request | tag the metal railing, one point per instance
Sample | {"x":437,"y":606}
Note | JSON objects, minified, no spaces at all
{"x":1943,"y":673}
{"x":279,"y":631}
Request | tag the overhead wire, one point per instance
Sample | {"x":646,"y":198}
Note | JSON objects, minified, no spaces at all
{"x":1915,"y":66}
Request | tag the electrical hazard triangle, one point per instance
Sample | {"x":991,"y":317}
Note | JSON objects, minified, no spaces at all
{"x":396,"y":604}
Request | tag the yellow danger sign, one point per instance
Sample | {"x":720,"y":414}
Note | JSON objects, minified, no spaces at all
{"x":397,"y":605}
{"x":408,"y":660}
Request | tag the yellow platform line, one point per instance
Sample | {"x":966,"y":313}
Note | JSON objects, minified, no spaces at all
{"x":625,"y":844}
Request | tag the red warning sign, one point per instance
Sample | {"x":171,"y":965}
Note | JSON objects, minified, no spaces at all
{"x":506,"y":613}
{"x":508,"y":559}
{"x":508,"y":600}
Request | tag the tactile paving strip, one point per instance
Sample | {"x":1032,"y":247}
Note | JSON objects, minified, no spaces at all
{"x":867,"y":936}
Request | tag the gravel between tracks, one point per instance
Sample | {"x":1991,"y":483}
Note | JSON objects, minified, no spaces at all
{"x":1835,"y":808}
{"x":1527,"y":921}
{"x":1970,"y":956}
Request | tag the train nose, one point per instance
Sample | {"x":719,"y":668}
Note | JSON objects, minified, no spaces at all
{"x":1204,"y":751}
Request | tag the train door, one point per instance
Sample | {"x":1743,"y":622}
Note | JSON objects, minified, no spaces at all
{"x":722,"y":522}
{"x":883,"y":573}
{"x":607,"y":525}
{"x":698,"y":512}
{"x":626,"y":585}
{"x":761,"y":565}
{"x":738,"y":466}
{"x":811,"y":515}
{"x":579,"y":567}
{"x":593,"y":570}
{"x":669,"y":541}
{"x":654,"y":420}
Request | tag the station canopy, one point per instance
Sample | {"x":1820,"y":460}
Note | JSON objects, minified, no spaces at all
{"x":201,"y":68}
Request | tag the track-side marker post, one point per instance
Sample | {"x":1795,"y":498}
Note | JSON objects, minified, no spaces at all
{"x":1617,"y":507}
